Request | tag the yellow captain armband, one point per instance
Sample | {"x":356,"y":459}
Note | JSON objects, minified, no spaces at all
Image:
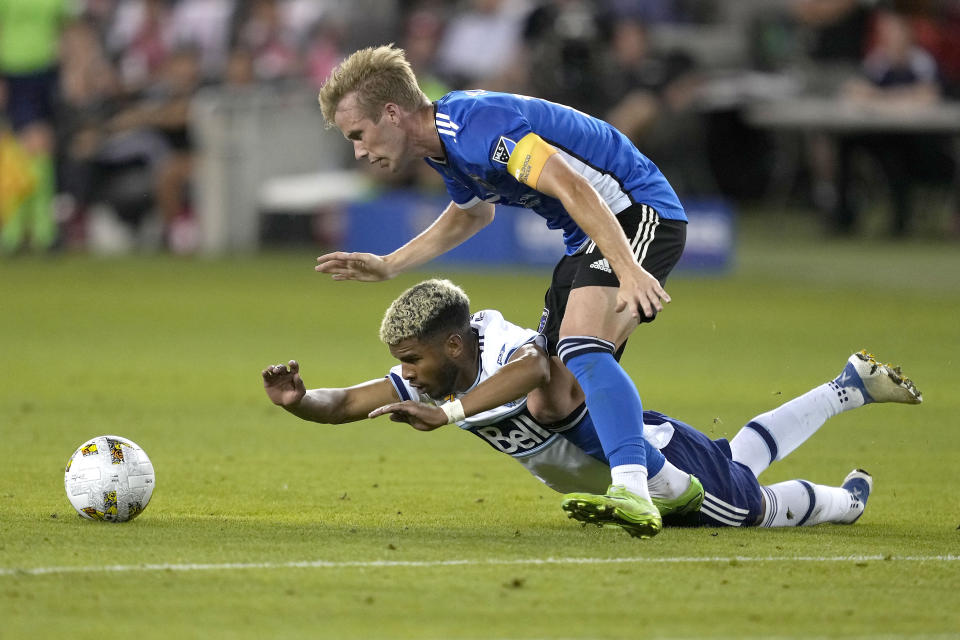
{"x":528,"y":157}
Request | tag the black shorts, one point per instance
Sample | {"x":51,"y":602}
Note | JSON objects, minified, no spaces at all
{"x":657,"y":244}
{"x":31,"y":97}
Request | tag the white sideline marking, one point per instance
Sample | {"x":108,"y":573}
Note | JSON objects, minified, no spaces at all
{"x":327,"y":564}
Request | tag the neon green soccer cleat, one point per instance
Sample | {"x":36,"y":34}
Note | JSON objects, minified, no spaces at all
{"x":685,"y":504}
{"x":619,"y":507}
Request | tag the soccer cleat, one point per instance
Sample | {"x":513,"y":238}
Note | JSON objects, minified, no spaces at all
{"x":878,"y":382}
{"x":858,"y":484}
{"x":686,"y":503}
{"x":636,"y":515}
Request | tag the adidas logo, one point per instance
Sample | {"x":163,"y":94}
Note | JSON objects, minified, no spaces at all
{"x":602,"y":264}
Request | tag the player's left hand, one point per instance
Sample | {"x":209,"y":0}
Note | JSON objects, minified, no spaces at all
{"x":283,"y":384}
{"x":422,"y":417}
{"x":641,"y":293}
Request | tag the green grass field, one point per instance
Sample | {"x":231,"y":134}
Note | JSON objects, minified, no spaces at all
{"x":263,"y":526}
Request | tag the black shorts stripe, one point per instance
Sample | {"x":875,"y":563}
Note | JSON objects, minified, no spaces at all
{"x":646,"y":233}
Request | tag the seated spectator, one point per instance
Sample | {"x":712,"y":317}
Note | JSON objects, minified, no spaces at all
{"x":140,"y":39}
{"x":322,"y":52}
{"x":564,"y":54}
{"x":153,"y":132}
{"x":493,"y":27}
{"x":205,"y":26}
{"x":275,"y":54}
{"x":653,"y":102}
{"x":90,"y":87}
{"x":898,"y":75}
{"x":836,"y":30}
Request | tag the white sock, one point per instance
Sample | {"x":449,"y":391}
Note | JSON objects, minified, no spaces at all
{"x":631,"y":476}
{"x":669,"y":483}
{"x":775,"y":434}
{"x":788,"y":504}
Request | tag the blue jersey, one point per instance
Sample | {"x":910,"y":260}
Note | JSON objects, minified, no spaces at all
{"x":480,"y":131}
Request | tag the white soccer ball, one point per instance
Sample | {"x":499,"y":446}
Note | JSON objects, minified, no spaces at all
{"x":109,"y":478}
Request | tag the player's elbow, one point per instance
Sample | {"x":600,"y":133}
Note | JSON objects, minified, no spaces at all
{"x":541,"y":371}
{"x":482,"y":214}
{"x":579,"y":190}
{"x":536,"y":368}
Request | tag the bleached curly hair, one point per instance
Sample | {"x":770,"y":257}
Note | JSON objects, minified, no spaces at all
{"x":379,"y":75}
{"x":426,"y":310}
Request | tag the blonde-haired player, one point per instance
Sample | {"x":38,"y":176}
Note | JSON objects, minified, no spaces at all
{"x":623,"y":226}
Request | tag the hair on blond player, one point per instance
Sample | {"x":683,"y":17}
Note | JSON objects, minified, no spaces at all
{"x":426,"y":310}
{"x":379,"y":75}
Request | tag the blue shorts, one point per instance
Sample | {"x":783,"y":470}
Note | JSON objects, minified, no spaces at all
{"x":733,"y":497}
{"x":31,"y":97}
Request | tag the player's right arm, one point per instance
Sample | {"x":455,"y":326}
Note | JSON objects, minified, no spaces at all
{"x":286,"y":389}
{"x":454,"y":226}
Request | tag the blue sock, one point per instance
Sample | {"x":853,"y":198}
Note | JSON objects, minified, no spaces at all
{"x":584,"y":435}
{"x":612,"y":398}
{"x":655,"y":459}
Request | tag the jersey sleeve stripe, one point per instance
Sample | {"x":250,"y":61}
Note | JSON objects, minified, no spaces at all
{"x":399,"y":386}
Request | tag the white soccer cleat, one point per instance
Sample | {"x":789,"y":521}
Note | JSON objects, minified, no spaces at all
{"x":858,"y":484}
{"x":878,"y":382}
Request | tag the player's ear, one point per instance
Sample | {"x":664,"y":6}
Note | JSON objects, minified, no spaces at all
{"x":391,"y":111}
{"x":453,"y":345}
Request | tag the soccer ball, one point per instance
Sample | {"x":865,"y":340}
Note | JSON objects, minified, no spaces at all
{"x":109,"y":478}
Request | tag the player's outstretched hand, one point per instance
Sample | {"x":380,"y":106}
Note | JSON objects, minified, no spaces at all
{"x":343,"y":265}
{"x":422,"y":417}
{"x":641,"y":293}
{"x":283,"y":385}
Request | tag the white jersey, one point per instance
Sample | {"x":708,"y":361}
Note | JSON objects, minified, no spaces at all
{"x":509,"y":428}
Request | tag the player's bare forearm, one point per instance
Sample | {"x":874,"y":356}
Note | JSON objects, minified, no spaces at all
{"x":337,"y":406}
{"x":527,"y":369}
{"x":285,"y":388}
{"x":325,"y":406}
{"x":452,"y":228}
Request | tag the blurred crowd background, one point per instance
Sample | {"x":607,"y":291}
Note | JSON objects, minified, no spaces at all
{"x":165,"y":124}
